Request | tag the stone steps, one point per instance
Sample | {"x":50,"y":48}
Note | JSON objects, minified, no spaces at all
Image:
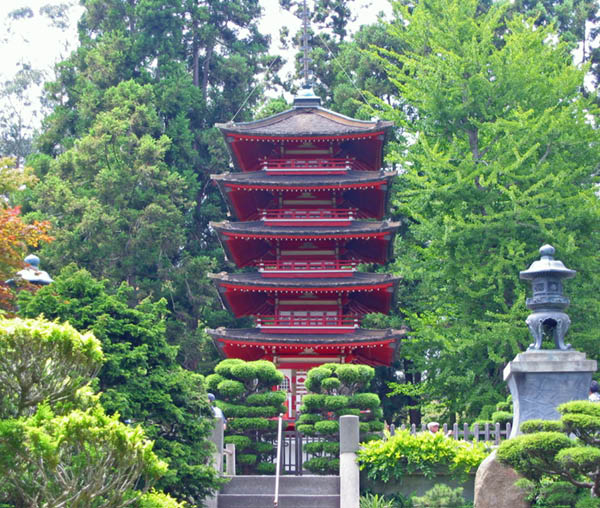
{"x":294,"y":492}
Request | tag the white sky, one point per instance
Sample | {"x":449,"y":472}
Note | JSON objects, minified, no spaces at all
{"x":34,"y":41}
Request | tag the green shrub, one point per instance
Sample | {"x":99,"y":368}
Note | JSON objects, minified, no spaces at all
{"x":314,"y":447}
{"x":374,"y":501}
{"x":347,"y":411}
{"x":245,"y":393}
{"x":265,"y":468}
{"x":313,"y":402}
{"x":327,"y":427}
{"x":531,"y":426}
{"x":251,"y":424}
{"x":322,"y":465}
{"x":365,"y":401}
{"x":405,"y":453}
{"x":441,"y":496}
{"x":330,"y":384}
{"x":588,"y":502}
{"x":240,"y":442}
{"x":335,"y":402}
{"x":212,"y":381}
{"x":231,"y":389}
{"x":243,"y":371}
{"x":364,"y":427}
{"x":247,"y":459}
{"x":270,"y":398}
{"x":263,"y":448}
{"x":223,"y":368}
{"x":502,"y":417}
{"x":504,"y":406}
{"x":376,"y":426}
{"x":308,"y":418}
{"x":307,"y":430}
{"x":154,"y":499}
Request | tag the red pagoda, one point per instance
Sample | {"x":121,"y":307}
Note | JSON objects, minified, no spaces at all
{"x":309,"y":197}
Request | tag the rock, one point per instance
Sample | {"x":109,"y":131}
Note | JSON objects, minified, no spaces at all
{"x":495,"y":486}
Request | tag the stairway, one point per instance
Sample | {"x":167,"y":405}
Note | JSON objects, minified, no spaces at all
{"x":294,"y":492}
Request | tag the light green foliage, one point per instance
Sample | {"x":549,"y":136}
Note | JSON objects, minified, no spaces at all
{"x":42,"y":361}
{"x":244,"y":394}
{"x":441,"y":496}
{"x":552,"y":454}
{"x":405,"y":453}
{"x":374,"y":501}
{"x":140,"y":379}
{"x":84,"y":458}
{"x":502,"y":159}
{"x":337,"y":388}
{"x":156,"y":499}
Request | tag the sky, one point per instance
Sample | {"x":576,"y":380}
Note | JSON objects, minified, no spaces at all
{"x":34,"y":41}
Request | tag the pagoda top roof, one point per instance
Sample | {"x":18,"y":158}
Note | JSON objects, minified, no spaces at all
{"x":256,"y":336}
{"x":260,"y":228}
{"x":302,"y":120}
{"x":262,"y":178}
{"x":357,"y":280}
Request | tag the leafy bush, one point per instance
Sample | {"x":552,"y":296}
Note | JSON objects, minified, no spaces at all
{"x":336,"y":390}
{"x":405,"y":453}
{"x":244,"y":394}
{"x":265,"y":468}
{"x":545,"y":454}
{"x":441,"y":496}
{"x":502,"y":417}
{"x":375,"y":501}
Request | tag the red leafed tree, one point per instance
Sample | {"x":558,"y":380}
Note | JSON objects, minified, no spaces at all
{"x":15,"y":237}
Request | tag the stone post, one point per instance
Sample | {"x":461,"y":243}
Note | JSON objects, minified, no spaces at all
{"x":349,"y":474}
{"x":217,"y":439}
{"x":540,"y":380}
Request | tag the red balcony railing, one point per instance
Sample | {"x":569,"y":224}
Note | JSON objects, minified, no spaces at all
{"x":317,"y":166}
{"x":308,"y":324}
{"x":314,"y":217}
{"x":306,"y":268}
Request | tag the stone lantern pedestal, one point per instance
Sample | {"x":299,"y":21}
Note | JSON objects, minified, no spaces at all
{"x":540,"y":380}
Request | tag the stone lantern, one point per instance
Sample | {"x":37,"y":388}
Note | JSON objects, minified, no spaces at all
{"x":32,"y":273}
{"x":548,"y":302}
{"x":541,"y":379}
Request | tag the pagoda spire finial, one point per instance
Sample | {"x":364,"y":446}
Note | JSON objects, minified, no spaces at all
{"x":305,"y":47}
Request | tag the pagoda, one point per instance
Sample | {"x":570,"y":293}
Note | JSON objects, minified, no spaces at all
{"x":309,"y":198}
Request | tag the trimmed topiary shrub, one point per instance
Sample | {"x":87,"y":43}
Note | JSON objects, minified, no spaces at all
{"x":547,"y":452}
{"x":337,"y":390}
{"x":244,"y":394}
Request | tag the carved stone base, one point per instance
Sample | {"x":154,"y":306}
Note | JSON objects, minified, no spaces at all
{"x":541,"y":380}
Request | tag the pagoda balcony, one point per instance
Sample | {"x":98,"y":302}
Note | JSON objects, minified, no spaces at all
{"x":308,"y":324}
{"x":312,"y":166}
{"x":308,"y":217}
{"x":306,"y":268}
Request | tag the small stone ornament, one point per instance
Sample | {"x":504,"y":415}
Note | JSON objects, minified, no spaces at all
{"x":548,"y":301}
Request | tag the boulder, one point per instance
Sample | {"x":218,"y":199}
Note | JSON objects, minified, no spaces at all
{"x":495,"y":486}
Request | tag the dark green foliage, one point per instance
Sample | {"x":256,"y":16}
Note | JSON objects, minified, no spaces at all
{"x":127,"y":153}
{"x":244,"y":394}
{"x":441,"y":496}
{"x":531,"y":426}
{"x":141,"y":379}
{"x":502,"y":417}
{"x":542,"y":455}
{"x":336,"y":387}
